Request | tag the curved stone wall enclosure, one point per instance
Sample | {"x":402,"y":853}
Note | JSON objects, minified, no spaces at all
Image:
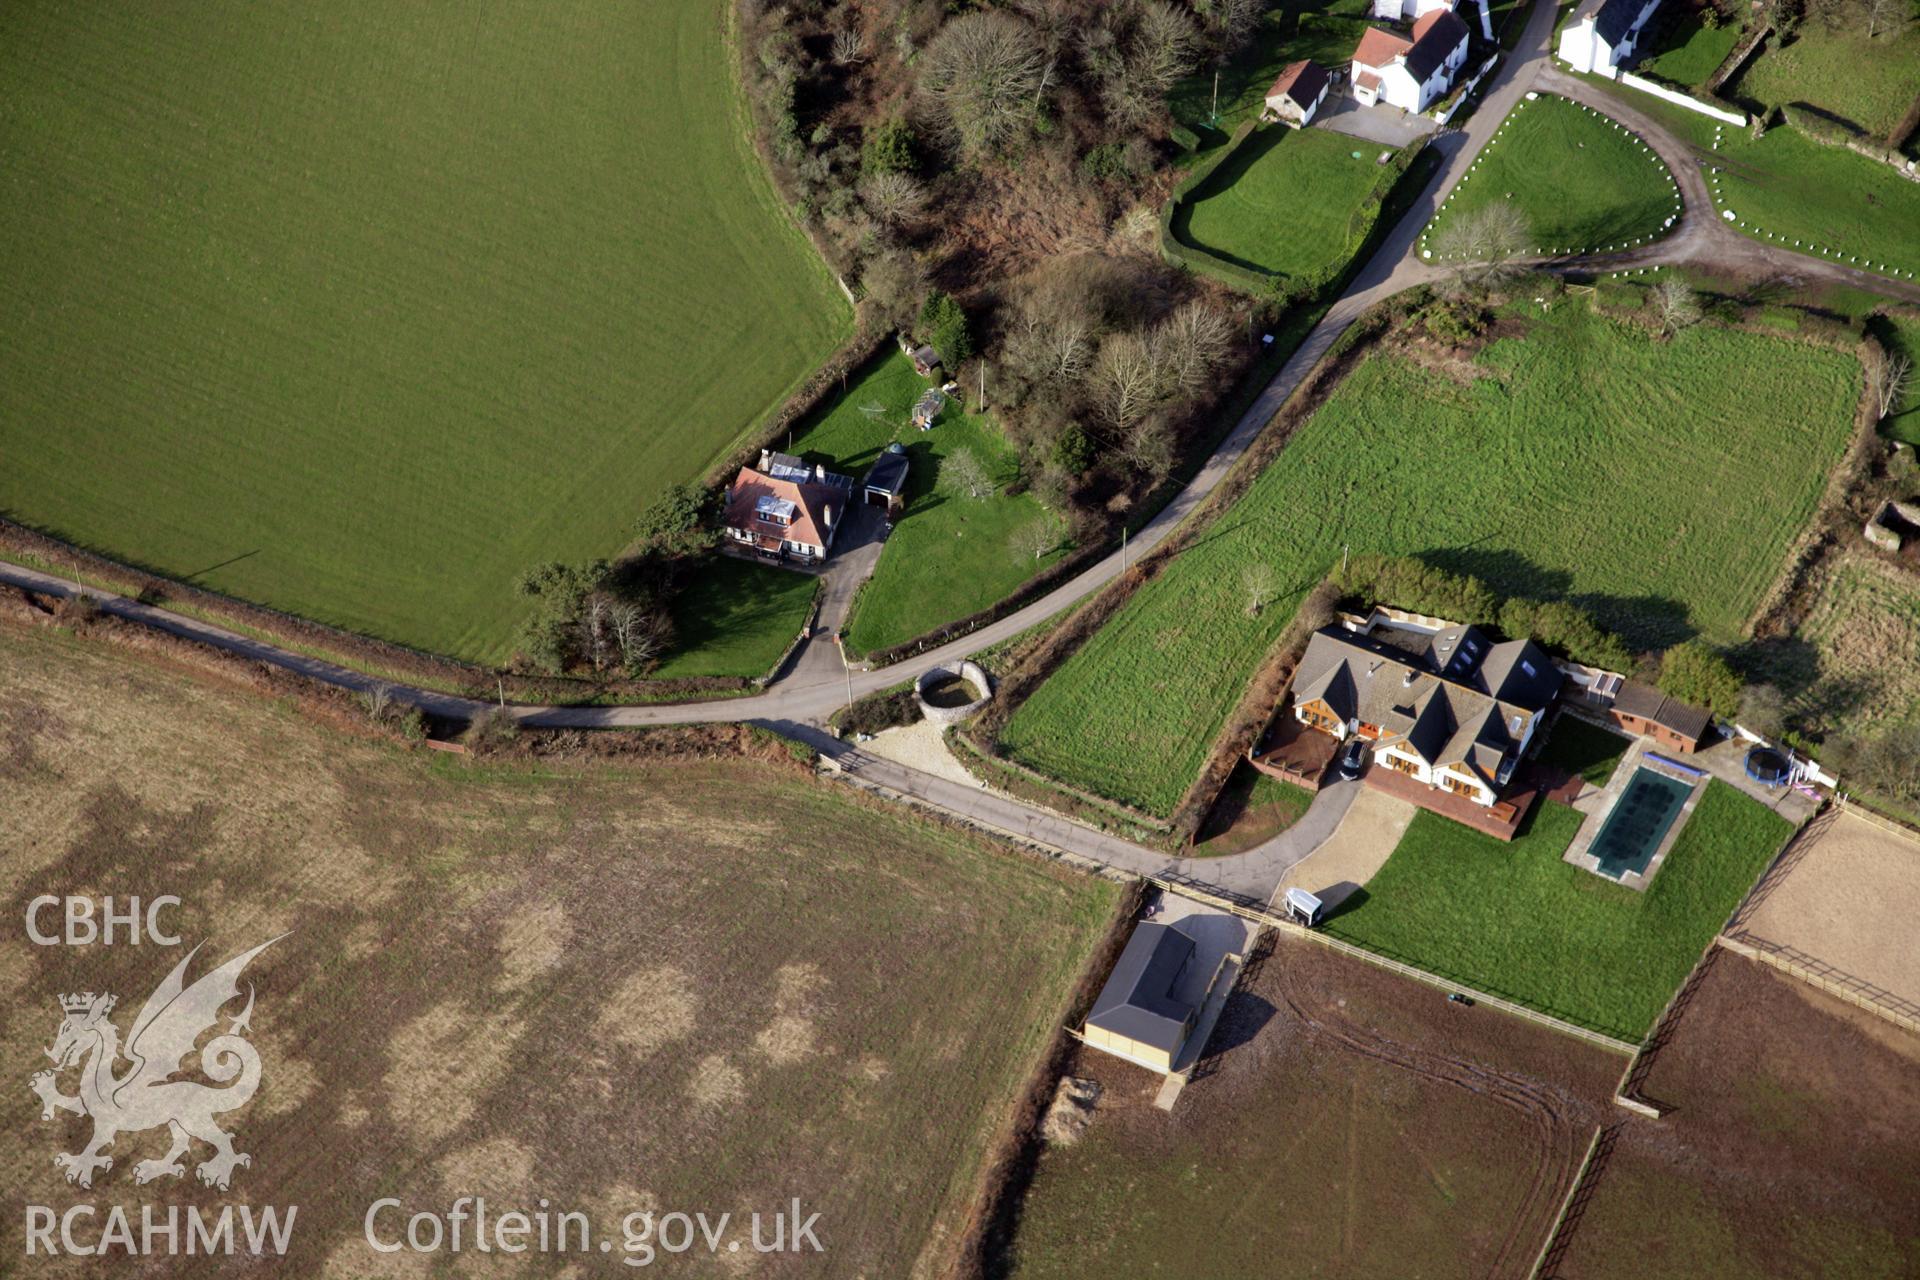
{"x":967,"y":671}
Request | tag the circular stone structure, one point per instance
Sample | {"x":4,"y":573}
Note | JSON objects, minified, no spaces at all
{"x":947,"y":710}
{"x":1767,"y":766}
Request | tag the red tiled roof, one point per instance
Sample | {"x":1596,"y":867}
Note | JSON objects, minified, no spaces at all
{"x":810,"y":502}
{"x":1367,"y":80}
{"x":1378,"y":47}
{"x":1303,"y":82}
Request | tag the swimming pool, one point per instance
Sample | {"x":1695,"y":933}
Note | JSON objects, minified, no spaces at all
{"x":1639,"y":821}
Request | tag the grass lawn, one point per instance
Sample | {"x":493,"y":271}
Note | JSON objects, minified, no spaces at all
{"x":736,"y":619}
{"x":1658,"y":484}
{"x":1872,"y":83}
{"x":621,"y":986}
{"x":1583,"y":749}
{"x":1324,"y":30}
{"x":1787,"y":189}
{"x":1689,"y":51}
{"x":1251,"y":810}
{"x":1516,"y":921}
{"x":360,"y":310}
{"x":1580,"y":181}
{"x":1799,"y":194}
{"x":1250,"y":209}
{"x":949,"y":555}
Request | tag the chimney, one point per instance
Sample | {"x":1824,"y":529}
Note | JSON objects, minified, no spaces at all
{"x":766,"y":460}
{"x":820,"y":472}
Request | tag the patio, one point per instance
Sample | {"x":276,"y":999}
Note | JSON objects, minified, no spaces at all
{"x":1292,"y":752}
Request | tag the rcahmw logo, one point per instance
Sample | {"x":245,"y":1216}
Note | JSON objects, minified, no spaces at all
{"x":147,"y":1096}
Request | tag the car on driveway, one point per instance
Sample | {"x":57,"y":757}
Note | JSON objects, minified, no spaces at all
{"x":1352,"y":758}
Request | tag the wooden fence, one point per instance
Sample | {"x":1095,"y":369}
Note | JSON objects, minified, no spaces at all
{"x":1559,"y":1234}
{"x":1405,"y":970}
{"x":1810,"y":972}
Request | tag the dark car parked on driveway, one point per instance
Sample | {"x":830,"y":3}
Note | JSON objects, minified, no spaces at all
{"x":1352,"y":758}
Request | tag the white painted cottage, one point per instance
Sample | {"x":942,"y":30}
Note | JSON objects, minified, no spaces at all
{"x":1602,"y":35}
{"x":1410,"y":74}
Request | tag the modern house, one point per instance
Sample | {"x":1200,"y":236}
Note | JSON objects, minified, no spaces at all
{"x":1140,"y":1014}
{"x":1442,"y":704}
{"x":886,"y":482}
{"x":1298,"y":92}
{"x":1602,"y":34}
{"x":1410,"y":74}
{"x":785,"y":510}
{"x":1676,"y":725}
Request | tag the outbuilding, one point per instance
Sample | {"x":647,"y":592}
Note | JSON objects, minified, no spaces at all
{"x":1139,"y":1014}
{"x":1675,"y":725}
{"x":887,"y":479}
{"x":1298,"y":93}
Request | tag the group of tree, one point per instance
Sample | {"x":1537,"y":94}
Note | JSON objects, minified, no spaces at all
{"x":608,"y":618}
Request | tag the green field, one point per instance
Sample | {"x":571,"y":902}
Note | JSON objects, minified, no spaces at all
{"x":1579,"y":180}
{"x":949,"y":555}
{"x":1871,"y":83}
{"x":1290,"y":202}
{"x":1516,"y":921}
{"x":736,"y":618}
{"x":358,"y":310}
{"x":1689,"y":50}
{"x":1658,"y":483}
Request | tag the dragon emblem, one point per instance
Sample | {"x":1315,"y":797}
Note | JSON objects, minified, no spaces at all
{"x":145,"y":1095}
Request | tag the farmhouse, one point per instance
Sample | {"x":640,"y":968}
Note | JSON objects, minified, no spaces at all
{"x":886,"y":483}
{"x":1675,"y":725}
{"x":1410,"y":74}
{"x":785,"y":510}
{"x":1140,"y":1014}
{"x":1442,"y":704}
{"x":1298,"y":92}
{"x":1602,"y":34}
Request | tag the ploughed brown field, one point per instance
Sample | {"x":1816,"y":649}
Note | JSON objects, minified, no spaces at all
{"x":1352,"y":1122}
{"x":1789,"y":1151}
{"x":710,"y":985}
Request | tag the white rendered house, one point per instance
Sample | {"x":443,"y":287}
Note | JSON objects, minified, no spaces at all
{"x":1410,"y":74}
{"x":1602,"y":35}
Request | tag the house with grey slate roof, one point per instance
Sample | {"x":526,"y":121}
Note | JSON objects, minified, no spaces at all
{"x":1446,"y":705}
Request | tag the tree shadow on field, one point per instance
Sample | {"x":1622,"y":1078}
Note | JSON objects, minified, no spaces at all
{"x":1644,"y":622}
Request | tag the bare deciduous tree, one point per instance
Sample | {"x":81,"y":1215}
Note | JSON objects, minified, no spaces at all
{"x":1881,"y":13}
{"x":894,"y":198}
{"x":1192,"y":342}
{"x":1034,"y":539}
{"x":848,"y":47}
{"x":1138,"y":226}
{"x":1892,"y":378}
{"x":982,"y":73}
{"x":1126,"y":380}
{"x":1138,"y":52}
{"x":1486,"y":242}
{"x":640,"y":636}
{"x":1232,"y":22}
{"x":963,"y":473}
{"x":1262,"y":586}
{"x":895,"y":281}
{"x":1675,"y":305}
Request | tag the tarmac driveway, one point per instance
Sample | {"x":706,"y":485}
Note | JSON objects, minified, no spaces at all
{"x":1388,"y":126}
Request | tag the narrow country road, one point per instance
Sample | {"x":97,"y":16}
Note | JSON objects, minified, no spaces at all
{"x":816,"y":683}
